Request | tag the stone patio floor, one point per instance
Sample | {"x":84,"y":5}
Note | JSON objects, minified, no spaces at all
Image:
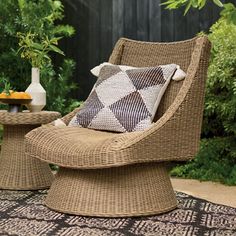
{"x":211,"y":191}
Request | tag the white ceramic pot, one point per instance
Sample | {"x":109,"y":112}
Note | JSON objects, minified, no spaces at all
{"x":37,"y":92}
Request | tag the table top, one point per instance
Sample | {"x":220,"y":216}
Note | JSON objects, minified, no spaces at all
{"x":26,"y":117}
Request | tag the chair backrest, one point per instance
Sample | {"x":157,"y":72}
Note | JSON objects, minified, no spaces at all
{"x":144,"y":54}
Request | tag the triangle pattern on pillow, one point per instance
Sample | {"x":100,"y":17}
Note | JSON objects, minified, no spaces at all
{"x":149,"y":96}
{"x":114,"y":88}
{"x":107,"y":73}
{"x":130,"y":110}
{"x":146,"y":78}
{"x":111,"y":124}
{"x":89,"y":110}
{"x":143,"y":124}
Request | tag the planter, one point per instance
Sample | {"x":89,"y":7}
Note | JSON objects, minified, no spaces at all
{"x":37,"y":92}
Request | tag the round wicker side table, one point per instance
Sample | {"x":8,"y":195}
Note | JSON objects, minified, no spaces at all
{"x":17,"y":170}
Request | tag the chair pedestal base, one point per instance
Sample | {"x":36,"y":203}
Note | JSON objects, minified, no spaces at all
{"x":135,"y":190}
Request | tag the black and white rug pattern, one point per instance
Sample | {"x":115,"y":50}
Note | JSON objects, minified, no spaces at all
{"x":23,"y":213}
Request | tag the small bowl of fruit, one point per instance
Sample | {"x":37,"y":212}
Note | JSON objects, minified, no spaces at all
{"x":15,"y":100}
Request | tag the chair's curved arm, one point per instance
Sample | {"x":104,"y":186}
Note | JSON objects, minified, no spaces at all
{"x":67,"y":118}
{"x":117,"y":52}
{"x":176,"y":135}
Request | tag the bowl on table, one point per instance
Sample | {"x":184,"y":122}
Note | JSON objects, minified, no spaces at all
{"x":15,"y":100}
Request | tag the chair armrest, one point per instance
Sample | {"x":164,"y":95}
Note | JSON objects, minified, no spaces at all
{"x":67,"y":118}
{"x":176,"y":135}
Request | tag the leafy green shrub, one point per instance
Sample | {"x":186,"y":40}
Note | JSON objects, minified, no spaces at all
{"x":216,"y":159}
{"x":37,"y":18}
{"x":221,"y":84}
{"x":59,"y":87}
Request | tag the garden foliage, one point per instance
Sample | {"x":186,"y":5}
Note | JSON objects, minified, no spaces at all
{"x":229,"y":10}
{"x":199,"y":4}
{"x":216,"y":159}
{"x":33,"y":25}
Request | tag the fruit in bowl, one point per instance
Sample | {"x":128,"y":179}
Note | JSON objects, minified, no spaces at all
{"x":15,"y":95}
{"x":15,"y":100}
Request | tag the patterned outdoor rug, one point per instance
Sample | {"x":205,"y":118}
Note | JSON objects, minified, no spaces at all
{"x":23,"y":213}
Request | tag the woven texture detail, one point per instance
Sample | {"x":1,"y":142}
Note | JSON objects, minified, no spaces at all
{"x":18,"y":170}
{"x":124,"y":101}
{"x":26,"y":117}
{"x":113,"y":192}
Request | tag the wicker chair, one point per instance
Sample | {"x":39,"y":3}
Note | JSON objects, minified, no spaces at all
{"x":125,"y":174}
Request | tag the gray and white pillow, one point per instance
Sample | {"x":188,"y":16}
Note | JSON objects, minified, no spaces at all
{"x":124,"y":101}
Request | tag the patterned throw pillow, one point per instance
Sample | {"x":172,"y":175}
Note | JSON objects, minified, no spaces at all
{"x":124,"y":101}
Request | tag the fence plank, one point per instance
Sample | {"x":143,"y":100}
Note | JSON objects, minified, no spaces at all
{"x":143,"y":20}
{"x":167,"y":25}
{"x":205,"y":17}
{"x":193,"y":26}
{"x":105,"y":29}
{"x":117,"y":20}
{"x":94,"y":31}
{"x":154,"y":20}
{"x":77,"y":47}
{"x":130,"y":17}
{"x":180,"y":25}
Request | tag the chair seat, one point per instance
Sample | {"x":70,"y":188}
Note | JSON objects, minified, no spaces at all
{"x":74,"y":147}
{"x":83,"y":148}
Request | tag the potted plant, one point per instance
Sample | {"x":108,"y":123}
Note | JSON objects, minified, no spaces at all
{"x":38,"y":38}
{"x":36,"y":49}
{"x":42,"y":18}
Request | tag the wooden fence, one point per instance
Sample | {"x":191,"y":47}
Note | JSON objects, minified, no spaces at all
{"x":99,"y":23}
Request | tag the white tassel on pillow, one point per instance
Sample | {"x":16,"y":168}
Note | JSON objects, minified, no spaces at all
{"x":179,"y":74}
{"x":59,"y":123}
{"x":96,"y":70}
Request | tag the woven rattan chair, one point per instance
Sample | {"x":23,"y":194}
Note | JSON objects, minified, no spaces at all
{"x":125,"y":174}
